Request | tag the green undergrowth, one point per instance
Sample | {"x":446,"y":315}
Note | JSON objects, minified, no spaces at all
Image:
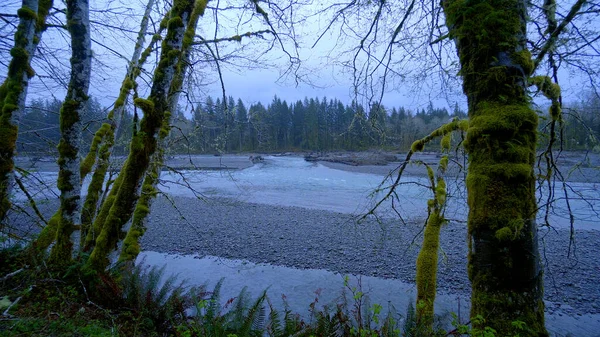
{"x":140,"y":301}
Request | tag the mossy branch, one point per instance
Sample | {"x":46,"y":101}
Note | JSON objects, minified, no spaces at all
{"x":427,"y":260}
{"x":104,"y":138}
{"x":131,"y":246}
{"x":551,"y":91}
{"x":417,"y":146}
{"x":144,"y":143}
{"x":234,"y":38}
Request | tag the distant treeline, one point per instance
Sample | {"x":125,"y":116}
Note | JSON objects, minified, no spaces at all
{"x":309,"y":125}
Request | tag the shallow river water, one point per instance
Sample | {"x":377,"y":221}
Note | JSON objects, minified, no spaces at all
{"x":292,"y":181}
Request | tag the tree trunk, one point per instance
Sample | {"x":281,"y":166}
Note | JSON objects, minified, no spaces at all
{"x":13,"y":92}
{"x":105,"y":137}
{"x":69,"y":178}
{"x":131,"y":244}
{"x":144,"y":142}
{"x":504,"y":266}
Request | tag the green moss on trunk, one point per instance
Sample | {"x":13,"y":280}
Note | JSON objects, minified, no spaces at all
{"x":100,"y":219}
{"x":144,"y":142}
{"x":69,"y":178}
{"x":89,"y":209}
{"x":131,"y":245}
{"x":32,"y":18}
{"x":504,"y":266}
{"x":48,"y":234}
{"x":88,"y":162}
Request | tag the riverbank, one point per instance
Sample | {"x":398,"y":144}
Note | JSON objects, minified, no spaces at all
{"x":581,"y":167}
{"x":302,"y":238}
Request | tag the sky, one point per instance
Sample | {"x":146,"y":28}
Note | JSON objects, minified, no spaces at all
{"x":256,"y":76}
{"x":320,"y":69}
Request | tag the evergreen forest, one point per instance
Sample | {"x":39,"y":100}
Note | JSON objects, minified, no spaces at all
{"x":315,"y":124}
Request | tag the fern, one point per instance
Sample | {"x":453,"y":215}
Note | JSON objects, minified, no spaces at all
{"x":163,"y":302}
{"x":254,"y":318}
{"x":410,"y":322}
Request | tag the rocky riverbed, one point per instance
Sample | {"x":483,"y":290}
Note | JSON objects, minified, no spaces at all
{"x":303,"y":238}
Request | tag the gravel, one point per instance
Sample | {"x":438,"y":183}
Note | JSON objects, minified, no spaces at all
{"x":305,"y":238}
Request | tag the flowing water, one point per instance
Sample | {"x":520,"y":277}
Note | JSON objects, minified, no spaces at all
{"x":292,"y":181}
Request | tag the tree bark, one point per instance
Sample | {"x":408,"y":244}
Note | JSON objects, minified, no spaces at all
{"x":69,"y":178}
{"x":504,"y":266}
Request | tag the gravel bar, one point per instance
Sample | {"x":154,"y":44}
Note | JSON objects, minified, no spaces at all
{"x":306,"y":238}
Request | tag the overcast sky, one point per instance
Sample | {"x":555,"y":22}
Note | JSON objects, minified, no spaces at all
{"x":321,"y":65}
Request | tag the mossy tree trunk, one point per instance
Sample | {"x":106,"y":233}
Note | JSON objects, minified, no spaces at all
{"x":131,"y":244}
{"x":105,"y":137}
{"x":69,"y":178}
{"x":504,"y":266}
{"x":427,"y":260}
{"x":13,"y":92}
{"x":144,"y":142}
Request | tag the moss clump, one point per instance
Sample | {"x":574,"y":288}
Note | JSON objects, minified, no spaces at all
{"x":551,"y":91}
{"x":440,"y":192}
{"x":523,"y":58}
{"x":446,"y":141}
{"x":444,"y":162}
{"x":26,"y":13}
{"x":174,"y":23}
{"x":147,"y":105}
{"x":504,"y":234}
{"x":44,"y":7}
{"x":544,"y":83}
{"x":19,"y":54}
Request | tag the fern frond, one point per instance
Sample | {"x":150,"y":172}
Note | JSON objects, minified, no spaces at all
{"x":255,"y":316}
